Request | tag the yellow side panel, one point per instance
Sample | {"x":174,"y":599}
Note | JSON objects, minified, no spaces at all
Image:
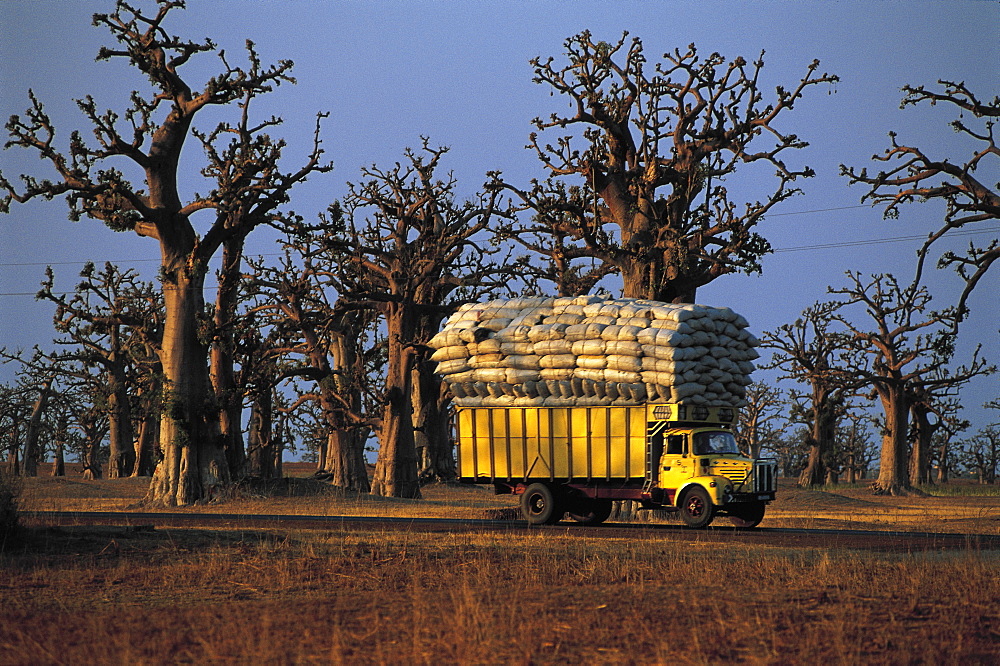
{"x":620,"y":441}
{"x":463,"y":426}
{"x":553,"y":450}
{"x":483,"y":442}
{"x":578,"y":443}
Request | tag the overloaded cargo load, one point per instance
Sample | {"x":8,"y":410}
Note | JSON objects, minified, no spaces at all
{"x":589,"y":351}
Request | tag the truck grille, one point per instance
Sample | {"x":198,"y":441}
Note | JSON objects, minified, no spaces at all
{"x":765,"y":474}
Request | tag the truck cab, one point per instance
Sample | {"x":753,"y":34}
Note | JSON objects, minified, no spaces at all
{"x":700,"y":463}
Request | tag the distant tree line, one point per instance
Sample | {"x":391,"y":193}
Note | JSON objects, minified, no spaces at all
{"x":325,"y":347}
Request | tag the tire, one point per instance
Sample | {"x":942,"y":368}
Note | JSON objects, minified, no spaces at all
{"x":696,"y":508}
{"x":540,"y":506}
{"x":591,"y":511}
{"x":747,"y":515}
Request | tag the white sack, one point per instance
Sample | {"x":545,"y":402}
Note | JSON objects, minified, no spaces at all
{"x":557,"y":361}
{"x":589,"y":347}
{"x":666,"y":353}
{"x":566,"y":318}
{"x":485,"y":361}
{"x":592,"y":362}
{"x":553,"y":347}
{"x":453,"y":366}
{"x":521,"y":361}
{"x":623,"y":348}
{"x":517,"y":348}
{"x":621,"y":376}
{"x":546,"y":332}
{"x":450,"y":353}
{"x":594,"y":375}
{"x":489,"y":375}
{"x":623,"y":363}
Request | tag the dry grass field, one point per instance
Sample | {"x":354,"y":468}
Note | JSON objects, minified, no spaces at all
{"x":549,"y":595}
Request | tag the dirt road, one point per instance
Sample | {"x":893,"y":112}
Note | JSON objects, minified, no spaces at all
{"x":872,"y":540}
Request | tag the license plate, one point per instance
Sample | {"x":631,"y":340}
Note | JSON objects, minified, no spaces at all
{"x":763,"y":497}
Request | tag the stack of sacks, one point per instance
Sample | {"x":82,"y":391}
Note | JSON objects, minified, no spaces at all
{"x":588,"y":351}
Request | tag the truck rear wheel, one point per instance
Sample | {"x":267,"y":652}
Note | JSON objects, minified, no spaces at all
{"x":540,"y":506}
{"x":747,"y":515}
{"x":591,"y":511}
{"x":696,"y":508}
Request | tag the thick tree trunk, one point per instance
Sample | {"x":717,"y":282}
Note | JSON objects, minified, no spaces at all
{"x":59,"y":458}
{"x":814,"y":473}
{"x":649,"y":280}
{"x":145,"y":444}
{"x":261,"y":457}
{"x":92,"y":458}
{"x":435,"y":452}
{"x":14,"y":446}
{"x":396,"y":467}
{"x":821,"y":435}
{"x":343,"y":457}
{"x":194,"y":465}
{"x":893,"y":475}
{"x":920,"y":455}
{"x":121,"y":459}
{"x":31,"y":447}
{"x":279,"y":452}
{"x":227,"y":395}
{"x":943,"y":471}
{"x":230,"y":407}
{"x":345,"y":460}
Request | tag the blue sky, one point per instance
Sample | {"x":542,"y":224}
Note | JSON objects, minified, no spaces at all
{"x":458,"y":72}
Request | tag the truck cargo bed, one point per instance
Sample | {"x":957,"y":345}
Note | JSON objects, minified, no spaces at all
{"x":574,"y":444}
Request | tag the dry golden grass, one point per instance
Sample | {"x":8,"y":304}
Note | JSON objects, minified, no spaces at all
{"x":372,"y":595}
{"x":104,"y":595}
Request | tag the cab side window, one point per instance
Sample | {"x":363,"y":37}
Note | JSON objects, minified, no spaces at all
{"x":675,"y":445}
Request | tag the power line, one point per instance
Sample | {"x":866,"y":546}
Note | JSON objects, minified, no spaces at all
{"x":800,"y":248}
{"x":880,"y":241}
{"x":271,"y":254}
{"x":818,"y":210}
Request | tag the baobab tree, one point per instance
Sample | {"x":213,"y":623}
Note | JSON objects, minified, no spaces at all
{"x":912,"y":175}
{"x":407,"y":249}
{"x":151,"y":134}
{"x":761,"y":421}
{"x":907,"y":347}
{"x":808,"y":351}
{"x":314,"y":338}
{"x":107,"y":323}
{"x":644,"y":192}
{"x":13,"y":417}
{"x":934,"y":407}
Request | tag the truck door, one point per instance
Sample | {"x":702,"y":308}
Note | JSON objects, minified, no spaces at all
{"x":676,"y":464}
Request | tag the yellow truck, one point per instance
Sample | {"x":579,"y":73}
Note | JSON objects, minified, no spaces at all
{"x":576,"y":461}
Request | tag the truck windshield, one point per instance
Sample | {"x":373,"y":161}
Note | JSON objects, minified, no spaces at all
{"x":715,"y":443}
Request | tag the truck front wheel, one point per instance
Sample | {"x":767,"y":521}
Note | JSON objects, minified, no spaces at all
{"x":696,"y":508}
{"x":747,"y":515}
{"x":540,"y":505}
